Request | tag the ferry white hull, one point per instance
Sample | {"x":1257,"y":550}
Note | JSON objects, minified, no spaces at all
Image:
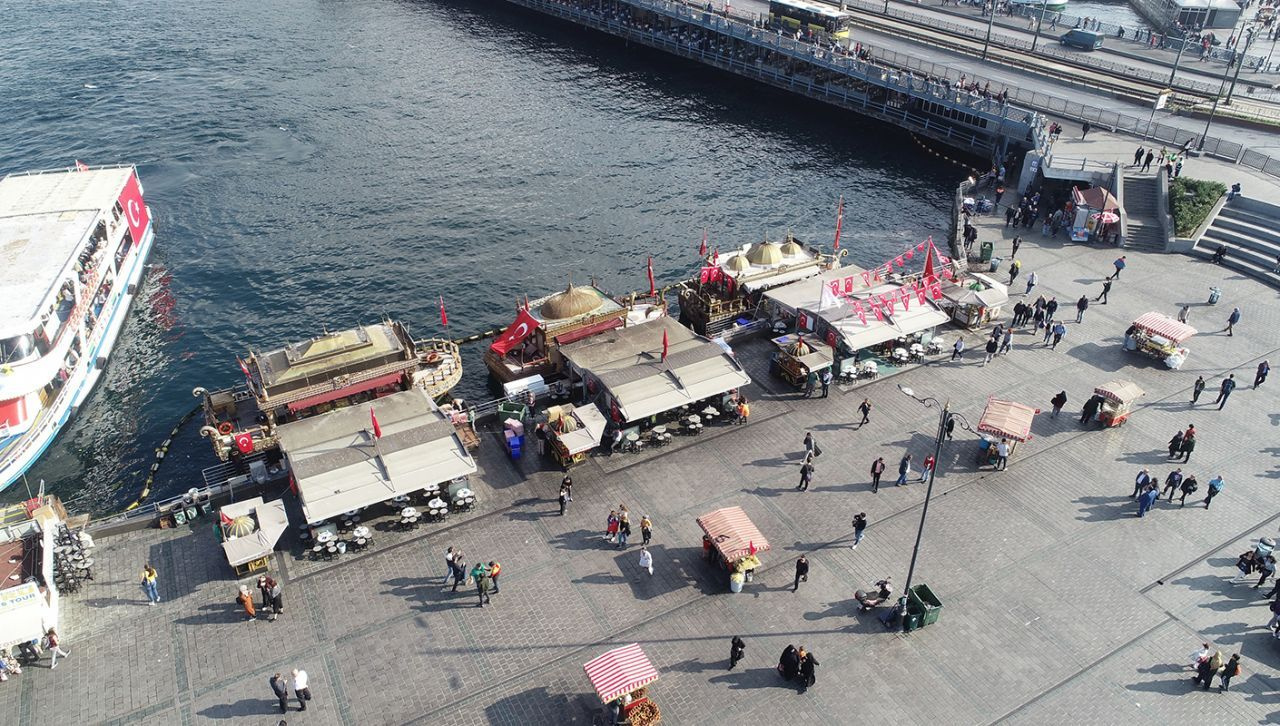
{"x":21,"y":451}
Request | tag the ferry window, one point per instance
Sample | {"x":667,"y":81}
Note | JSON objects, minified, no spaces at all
{"x":116,"y":211}
{"x":16,"y":348}
{"x":125,"y":245}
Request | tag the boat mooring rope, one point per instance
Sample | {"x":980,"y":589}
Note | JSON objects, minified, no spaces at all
{"x":161,"y":451}
{"x":972,"y":171}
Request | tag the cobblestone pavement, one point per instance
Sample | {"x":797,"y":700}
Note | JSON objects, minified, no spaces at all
{"x":1061,"y":607}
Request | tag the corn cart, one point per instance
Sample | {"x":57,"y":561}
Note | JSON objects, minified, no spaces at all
{"x":799,"y":355}
{"x":1003,"y":420}
{"x":1159,"y":336}
{"x":620,"y":678}
{"x":574,"y":432}
{"x":1117,"y":398}
{"x":732,"y":540}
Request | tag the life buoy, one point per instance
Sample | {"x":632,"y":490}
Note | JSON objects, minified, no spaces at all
{"x":225,"y":428}
{"x":433,"y":357}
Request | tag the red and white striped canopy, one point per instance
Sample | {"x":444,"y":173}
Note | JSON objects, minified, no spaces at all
{"x":620,"y":671}
{"x":1165,"y":326}
{"x":1007,"y":419}
{"x":733,"y":533}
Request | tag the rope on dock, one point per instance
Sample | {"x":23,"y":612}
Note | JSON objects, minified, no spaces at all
{"x":161,"y":451}
{"x":972,"y":171}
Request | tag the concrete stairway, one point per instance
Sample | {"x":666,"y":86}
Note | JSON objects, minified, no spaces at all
{"x":1142,"y":206}
{"x":1250,"y":230}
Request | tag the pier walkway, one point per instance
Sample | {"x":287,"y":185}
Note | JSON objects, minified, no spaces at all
{"x":1060,"y":605}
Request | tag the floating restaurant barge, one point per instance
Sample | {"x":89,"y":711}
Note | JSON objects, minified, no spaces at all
{"x":316,"y":376}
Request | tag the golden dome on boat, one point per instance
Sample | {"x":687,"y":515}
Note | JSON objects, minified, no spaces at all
{"x":574,"y":301}
{"x":792,"y":248}
{"x":737,"y":263}
{"x":765,"y":253}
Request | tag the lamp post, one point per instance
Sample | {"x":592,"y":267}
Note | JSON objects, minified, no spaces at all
{"x":1177,"y":60}
{"x":991,"y":19}
{"x":1251,"y":33}
{"x":1039,"y":23}
{"x":944,"y":416}
{"x":1212,"y":111}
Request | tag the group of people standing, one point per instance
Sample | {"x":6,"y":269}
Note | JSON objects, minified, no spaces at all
{"x":272,"y":599}
{"x":798,"y":663}
{"x":484,"y":577}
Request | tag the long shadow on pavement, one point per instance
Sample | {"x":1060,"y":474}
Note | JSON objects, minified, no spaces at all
{"x":245,"y":707}
{"x":1106,"y":509}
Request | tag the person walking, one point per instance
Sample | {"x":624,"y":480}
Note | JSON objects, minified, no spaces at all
{"x":540,"y":433}
{"x":265,"y":584}
{"x":926,"y":467}
{"x":1119,"y":264}
{"x":646,"y":560}
{"x":459,"y":570}
{"x":826,"y":381}
{"x":1224,"y":391}
{"x":1263,"y":369}
{"x":1014,"y":268}
{"x":806,"y":476}
{"x":1229,"y":671}
{"x":1146,"y":499}
{"x":280,"y":687}
{"x":865,"y":407}
{"x":1084,"y":130}
{"x":1032,"y":280}
{"x":1140,"y":483}
{"x":1059,"y":330}
{"x":859,"y":527}
{"x":904,"y":469}
{"x":301,"y":688}
{"x":448,"y":563}
{"x":1017,"y":242}
{"x":483,"y":584}
{"x":611,"y":524}
{"x":957,"y":350}
{"x":1267,"y":566}
{"x":149,"y":577}
{"x":54,"y":644}
{"x":495,"y":569}
{"x":737,"y":650}
{"x":789,"y":663}
{"x":1106,"y":288}
{"x":1172,"y":483}
{"x":1150,"y":156}
{"x":877,"y":469}
{"x":1006,"y":342}
{"x":1188,"y":445}
{"x":808,"y":663}
{"x":1215,"y":488}
{"x":646,"y":531}
{"x":991,"y":349}
{"x":1214,"y":665}
{"x":1197,"y":389}
{"x":810,"y":383}
{"x":1137,"y":156}
{"x":1081,"y":305}
{"x":810,"y":446}
{"x":1189,"y":487}
{"x":624,"y":532}
{"x":1058,"y":402}
{"x":564,"y":500}
{"x":1184,"y":313}
{"x":1050,"y":309}
{"x":802,"y":572}
{"x":1232,"y":319}
{"x":246,"y":601}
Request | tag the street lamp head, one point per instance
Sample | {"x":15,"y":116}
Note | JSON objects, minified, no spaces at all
{"x":906,"y":390}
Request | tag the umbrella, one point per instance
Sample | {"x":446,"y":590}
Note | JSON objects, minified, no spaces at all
{"x":1107,"y":217}
{"x":241,"y":526}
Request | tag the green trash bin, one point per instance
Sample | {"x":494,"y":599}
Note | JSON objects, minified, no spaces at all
{"x":922,"y":600}
{"x":988,"y":248}
{"x":913,"y":619}
{"x":517,"y":411}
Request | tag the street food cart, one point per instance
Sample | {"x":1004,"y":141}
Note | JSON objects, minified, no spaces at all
{"x":732,"y":538}
{"x":976,"y":302}
{"x":574,"y":431}
{"x":1095,"y":215}
{"x":620,"y":678}
{"x":799,"y":355}
{"x":1003,"y":420}
{"x":1118,"y":397}
{"x":1159,"y":336}
{"x":249,"y":531}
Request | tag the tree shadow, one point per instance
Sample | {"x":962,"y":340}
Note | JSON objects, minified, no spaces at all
{"x":245,"y":707}
{"x":1106,"y":509}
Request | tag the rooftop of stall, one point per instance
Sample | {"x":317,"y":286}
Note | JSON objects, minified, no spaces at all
{"x":627,"y":363}
{"x":807,"y":294}
{"x":337,"y":466}
{"x":917,"y":317}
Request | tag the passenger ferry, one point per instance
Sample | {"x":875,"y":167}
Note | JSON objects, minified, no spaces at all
{"x":73,"y":248}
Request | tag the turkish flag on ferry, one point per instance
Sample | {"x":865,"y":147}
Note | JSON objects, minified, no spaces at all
{"x":665,"y":346}
{"x":522,"y":328}
{"x":135,"y":210}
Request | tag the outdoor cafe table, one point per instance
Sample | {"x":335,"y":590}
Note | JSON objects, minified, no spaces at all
{"x":325,"y":533}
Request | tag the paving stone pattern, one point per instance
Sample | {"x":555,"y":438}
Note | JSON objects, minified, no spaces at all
{"x":1061,"y":607}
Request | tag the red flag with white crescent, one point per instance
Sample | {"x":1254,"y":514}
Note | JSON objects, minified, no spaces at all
{"x":751,"y":547}
{"x":653,"y":290}
{"x":135,"y":211}
{"x":244,"y":369}
{"x":665,"y":346}
{"x":839,"y":220}
{"x":373,"y":418}
{"x":715,"y":258}
{"x":244,"y":442}
{"x":702,"y":251}
{"x":514,"y":335}
{"x":444,"y":316}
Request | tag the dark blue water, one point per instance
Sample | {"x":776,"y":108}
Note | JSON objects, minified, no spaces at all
{"x":316,"y":164}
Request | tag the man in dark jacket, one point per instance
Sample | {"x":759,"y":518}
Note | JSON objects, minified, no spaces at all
{"x":281,"y":688}
{"x":807,"y":665}
{"x":1081,"y":305}
{"x":802,"y":572}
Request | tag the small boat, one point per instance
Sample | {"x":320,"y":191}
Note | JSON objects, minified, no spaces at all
{"x":73,"y":249}
{"x":312,"y":377}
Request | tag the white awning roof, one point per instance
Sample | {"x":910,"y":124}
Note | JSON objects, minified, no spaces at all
{"x":591,"y":425}
{"x":272,"y":522}
{"x":628,"y":363}
{"x":807,"y":293}
{"x":782,"y":278}
{"x":22,"y":614}
{"x":338,"y":465}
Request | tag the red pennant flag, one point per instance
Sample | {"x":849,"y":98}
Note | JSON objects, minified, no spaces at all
{"x":665,"y":346}
{"x":889,"y":302}
{"x":920,"y":247}
{"x":936,"y":291}
{"x":919,"y":290}
{"x":898,"y":261}
{"x":910,"y":254}
{"x":244,"y":369}
{"x":222,"y":516}
{"x":444,"y":316}
{"x":653,"y":290}
{"x":862,"y":316}
{"x":848,"y":284}
{"x":715,"y":258}
{"x":928,"y":264}
{"x":876,"y":275}
{"x":702,"y":251}
{"x":839,"y":220}
{"x":879,"y":315}
{"x":81,"y":166}
{"x":730,"y":284}
{"x":866,"y":278}
{"x":751,"y":547}
{"x":377,"y":430}
{"x":704,"y":276}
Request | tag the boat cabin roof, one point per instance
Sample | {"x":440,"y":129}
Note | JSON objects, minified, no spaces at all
{"x":44,"y":221}
{"x":299,"y":365}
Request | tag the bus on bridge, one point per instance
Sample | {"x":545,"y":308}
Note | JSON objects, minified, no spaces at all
{"x":809,"y":16}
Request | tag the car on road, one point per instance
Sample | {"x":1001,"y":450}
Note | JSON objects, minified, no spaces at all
{"x":1082,"y":39}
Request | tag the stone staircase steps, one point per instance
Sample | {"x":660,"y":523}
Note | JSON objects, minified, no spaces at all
{"x":1248,"y":230}
{"x":1142,"y":208}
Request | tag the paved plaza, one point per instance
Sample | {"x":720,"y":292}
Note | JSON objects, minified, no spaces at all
{"x":1061,"y":607}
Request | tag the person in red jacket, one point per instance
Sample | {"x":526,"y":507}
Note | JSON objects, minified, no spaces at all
{"x":494,"y":569}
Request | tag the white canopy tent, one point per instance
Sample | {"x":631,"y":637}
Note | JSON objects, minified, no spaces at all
{"x":338,"y":465}
{"x":24,"y":614}
{"x":271,"y":522}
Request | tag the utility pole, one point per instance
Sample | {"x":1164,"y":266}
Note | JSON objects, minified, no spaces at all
{"x":1239,"y":59}
{"x":1039,"y":23}
{"x":1213,"y":111}
{"x":1177,"y":60}
{"x":990,"y":21}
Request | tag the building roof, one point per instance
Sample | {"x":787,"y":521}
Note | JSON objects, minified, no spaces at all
{"x":338,"y":466}
{"x":628,"y":363}
{"x":44,"y":221}
{"x":299,"y":366}
{"x":807,"y":293}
